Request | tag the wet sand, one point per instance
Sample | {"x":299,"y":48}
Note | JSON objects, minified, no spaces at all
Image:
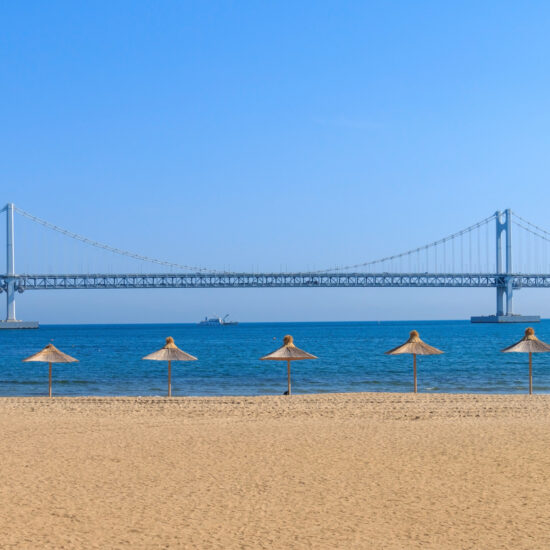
{"x":318,"y":471}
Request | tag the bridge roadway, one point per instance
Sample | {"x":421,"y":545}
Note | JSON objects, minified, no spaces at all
{"x":24,"y":282}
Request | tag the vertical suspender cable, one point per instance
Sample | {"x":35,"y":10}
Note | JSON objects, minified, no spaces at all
{"x":544,"y":259}
{"x":519,"y":232}
{"x":528,"y":252}
{"x":453,"y":254}
{"x":538,"y":254}
{"x":427,"y":260}
{"x":478,"y":250}
{"x":462,"y":253}
{"x":489,"y":255}
{"x":470,"y":252}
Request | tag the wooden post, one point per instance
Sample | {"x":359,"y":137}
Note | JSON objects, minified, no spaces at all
{"x":530,"y":373}
{"x":414,"y":369}
{"x":50,"y":384}
{"x":169,"y":378}
{"x":288,"y":373}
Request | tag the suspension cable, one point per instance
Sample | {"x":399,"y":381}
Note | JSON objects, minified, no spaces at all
{"x":540,"y":229}
{"x":533,"y":232}
{"x":412,"y":251}
{"x":109,"y":248}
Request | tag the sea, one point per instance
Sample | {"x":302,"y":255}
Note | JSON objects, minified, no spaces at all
{"x":350,"y":359}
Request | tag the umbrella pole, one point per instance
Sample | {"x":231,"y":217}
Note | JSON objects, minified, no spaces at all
{"x":288,"y":374}
{"x":50,"y":380}
{"x":414,"y":371}
{"x":530,"y":373}
{"x":169,"y":378}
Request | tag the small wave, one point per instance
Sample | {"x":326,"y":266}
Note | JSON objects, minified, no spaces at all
{"x":21,"y":382}
{"x":42,"y":381}
{"x":76,"y":382}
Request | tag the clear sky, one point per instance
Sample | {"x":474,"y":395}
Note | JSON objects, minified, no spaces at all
{"x":267,"y":136}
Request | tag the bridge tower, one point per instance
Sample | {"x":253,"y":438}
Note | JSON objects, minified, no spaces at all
{"x":505,"y":278}
{"x":11,"y":280}
{"x":504,"y":287}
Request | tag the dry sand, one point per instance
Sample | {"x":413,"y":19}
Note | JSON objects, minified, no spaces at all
{"x":317,"y":471}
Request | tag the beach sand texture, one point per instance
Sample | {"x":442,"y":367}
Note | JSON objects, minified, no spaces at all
{"x":331,"y":471}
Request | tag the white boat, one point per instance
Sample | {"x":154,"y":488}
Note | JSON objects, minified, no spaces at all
{"x":217,"y":321}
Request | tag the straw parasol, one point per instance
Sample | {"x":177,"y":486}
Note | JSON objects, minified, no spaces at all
{"x":529,"y":344}
{"x":50,"y":354}
{"x":288,"y":352}
{"x":170,"y":352}
{"x":415,"y":346}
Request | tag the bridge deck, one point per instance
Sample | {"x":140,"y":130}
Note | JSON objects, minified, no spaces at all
{"x":271,"y":280}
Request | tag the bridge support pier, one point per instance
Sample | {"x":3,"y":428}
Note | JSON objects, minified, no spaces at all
{"x":10,"y":287}
{"x":10,"y":301}
{"x":500,"y":300}
{"x":504,"y":278}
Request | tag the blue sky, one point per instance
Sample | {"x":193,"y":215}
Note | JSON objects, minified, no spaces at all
{"x":267,"y":136}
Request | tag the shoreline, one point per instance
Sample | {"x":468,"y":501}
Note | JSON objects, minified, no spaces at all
{"x":295,"y":395}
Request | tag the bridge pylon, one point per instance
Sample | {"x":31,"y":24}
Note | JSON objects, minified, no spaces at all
{"x":11,"y":279}
{"x":504,"y":277}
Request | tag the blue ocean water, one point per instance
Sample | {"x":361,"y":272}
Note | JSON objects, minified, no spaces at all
{"x":350,"y":359}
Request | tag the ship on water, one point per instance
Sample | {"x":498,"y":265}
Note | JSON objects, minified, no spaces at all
{"x":217,"y":321}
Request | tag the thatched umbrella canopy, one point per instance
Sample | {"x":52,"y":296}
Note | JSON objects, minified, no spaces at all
{"x":170,"y":352}
{"x":50,"y":354}
{"x":415,"y":346}
{"x":288,"y":352}
{"x":529,"y":344}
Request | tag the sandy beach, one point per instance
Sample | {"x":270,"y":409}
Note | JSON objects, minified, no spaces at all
{"x":316,"y":471}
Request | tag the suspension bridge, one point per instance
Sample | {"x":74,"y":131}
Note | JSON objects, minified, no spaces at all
{"x":479,"y":256}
